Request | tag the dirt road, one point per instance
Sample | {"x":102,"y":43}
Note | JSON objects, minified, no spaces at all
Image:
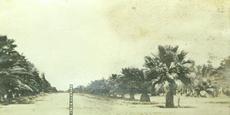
{"x":57,"y":104}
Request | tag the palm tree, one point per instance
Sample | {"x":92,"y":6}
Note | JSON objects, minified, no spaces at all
{"x":119,"y":85}
{"x":98,"y":87}
{"x":135,"y":80}
{"x":113,"y":85}
{"x":17,"y":74}
{"x":167,"y":67}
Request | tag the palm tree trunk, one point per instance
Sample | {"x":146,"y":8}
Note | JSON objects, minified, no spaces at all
{"x":122,"y":96}
{"x":145,"y":97}
{"x":169,"y":100}
{"x":170,"y":93}
{"x":9,"y":98}
{"x":131,"y":94}
{"x":1,"y":98}
{"x":153,"y":91}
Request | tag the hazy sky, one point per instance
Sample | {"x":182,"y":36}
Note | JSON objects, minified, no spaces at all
{"x":76,"y":41}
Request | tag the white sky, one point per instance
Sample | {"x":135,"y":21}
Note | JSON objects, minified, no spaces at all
{"x":76,"y":41}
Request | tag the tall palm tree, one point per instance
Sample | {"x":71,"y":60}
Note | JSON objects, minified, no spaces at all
{"x":166,"y":67}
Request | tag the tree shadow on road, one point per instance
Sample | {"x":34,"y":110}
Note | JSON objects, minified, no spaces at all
{"x":161,"y":106}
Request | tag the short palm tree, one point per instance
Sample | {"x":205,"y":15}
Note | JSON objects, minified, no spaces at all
{"x":136,"y":82}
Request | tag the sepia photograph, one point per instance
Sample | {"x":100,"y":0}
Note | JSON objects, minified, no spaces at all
{"x":114,"y":57}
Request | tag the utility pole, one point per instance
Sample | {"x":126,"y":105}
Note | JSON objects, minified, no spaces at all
{"x":71,"y":99}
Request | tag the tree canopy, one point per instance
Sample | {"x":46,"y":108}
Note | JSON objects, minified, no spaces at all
{"x":18,"y":76}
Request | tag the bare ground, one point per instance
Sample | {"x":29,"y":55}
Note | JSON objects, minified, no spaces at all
{"x":57,"y":104}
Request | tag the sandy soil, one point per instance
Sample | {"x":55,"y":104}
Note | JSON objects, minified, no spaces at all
{"x":57,"y":104}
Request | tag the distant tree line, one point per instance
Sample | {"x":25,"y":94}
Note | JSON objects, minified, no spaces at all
{"x":167,"y":73}
{"x":18,"y":76}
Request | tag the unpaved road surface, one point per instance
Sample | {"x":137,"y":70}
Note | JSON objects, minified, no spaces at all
{"x":57,"y":104}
